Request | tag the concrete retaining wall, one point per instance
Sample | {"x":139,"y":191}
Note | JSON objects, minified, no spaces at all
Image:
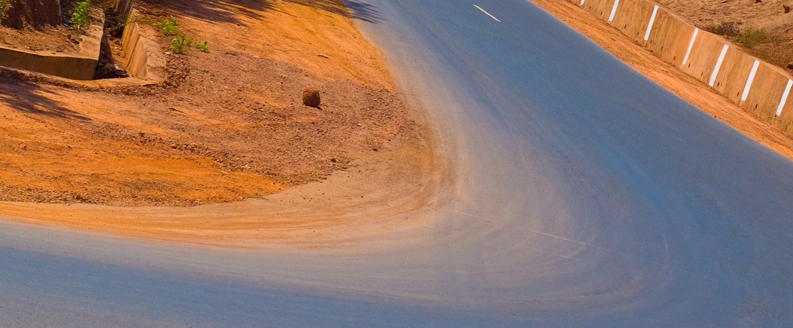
{"x":760,"y":88}
{"x":136,"y":56}
{"x":142,"y":59}
{"x":122,"y":8}
{"x":140,"y":53}
{"x":601,"y":8}
{"x":669,"y":38}
{"x":631,"y":17}
{"x":80,"y":66}
{"x":64,"y":66}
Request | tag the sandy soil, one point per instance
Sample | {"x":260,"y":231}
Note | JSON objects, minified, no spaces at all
{"x":771,"y":37}
{"x":226,"y":126}
{"x":229,"y":126}
{"x":668,"y":76}
{"x":391,"y":192}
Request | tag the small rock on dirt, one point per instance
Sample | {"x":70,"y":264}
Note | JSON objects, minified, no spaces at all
{"x":311,"y":97}
{"x":786,"y":8}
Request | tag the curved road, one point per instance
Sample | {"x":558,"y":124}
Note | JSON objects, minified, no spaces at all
{"x":585,"y":196}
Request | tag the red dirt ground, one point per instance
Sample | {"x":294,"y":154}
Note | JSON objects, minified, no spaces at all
{"x":227,"y":125}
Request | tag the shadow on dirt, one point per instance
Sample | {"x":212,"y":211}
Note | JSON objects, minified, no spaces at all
{"x":227,"y":11}
{"x":30,"y":98}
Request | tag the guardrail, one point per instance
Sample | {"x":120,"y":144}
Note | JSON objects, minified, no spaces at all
{"x":759,"y":87}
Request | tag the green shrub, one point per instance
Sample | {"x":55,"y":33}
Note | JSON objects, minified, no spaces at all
{"x":5,"y":5}
{"x":204,"y":47}
{"x":168,"y":26}
{"x":80,"y":14}
{"x":179,"y":42}
{"x":751,"y":37}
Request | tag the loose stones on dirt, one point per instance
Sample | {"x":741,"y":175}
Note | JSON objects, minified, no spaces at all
{"x":311,"y":97}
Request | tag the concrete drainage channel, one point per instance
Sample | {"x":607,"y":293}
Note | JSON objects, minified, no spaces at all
{"x":759,"y":87}
{"x":140,"y":56}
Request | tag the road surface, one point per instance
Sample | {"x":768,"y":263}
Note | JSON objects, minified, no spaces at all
{"x":584,"y":196}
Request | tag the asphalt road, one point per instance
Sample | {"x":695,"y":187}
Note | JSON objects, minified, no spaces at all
{"x":586,"y":196}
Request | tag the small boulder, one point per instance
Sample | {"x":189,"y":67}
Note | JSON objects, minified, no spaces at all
{"x":786,"y":8}
{"x":311,"y":97}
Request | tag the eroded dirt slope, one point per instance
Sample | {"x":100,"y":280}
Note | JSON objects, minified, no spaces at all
{"x":226,"y":126}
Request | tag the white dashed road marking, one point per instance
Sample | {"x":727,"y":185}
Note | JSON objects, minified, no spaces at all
{"x":487,"y":13}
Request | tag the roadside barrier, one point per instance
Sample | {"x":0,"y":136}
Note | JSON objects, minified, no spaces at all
{"x":759,"y":87}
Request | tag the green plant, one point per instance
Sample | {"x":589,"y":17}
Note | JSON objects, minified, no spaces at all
{"x":751,"y":37}
{"x":179,"y":42}
{"x":168,"y":26}
{"x":5,"y":5}
{"x":80,"y":14}
{"x":204,"y":47}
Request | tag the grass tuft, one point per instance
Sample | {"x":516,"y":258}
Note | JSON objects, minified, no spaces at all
{"x":168,"y":26}
{"x":80,"y":14}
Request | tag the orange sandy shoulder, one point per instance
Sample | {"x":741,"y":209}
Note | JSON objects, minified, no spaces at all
{"x":225,"y":133}
{"x":230,"y":128}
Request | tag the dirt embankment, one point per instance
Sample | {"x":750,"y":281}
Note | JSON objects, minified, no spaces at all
{"x":669,"y":76}
{"x":764,"y":28}
{"x":226,"y":126}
